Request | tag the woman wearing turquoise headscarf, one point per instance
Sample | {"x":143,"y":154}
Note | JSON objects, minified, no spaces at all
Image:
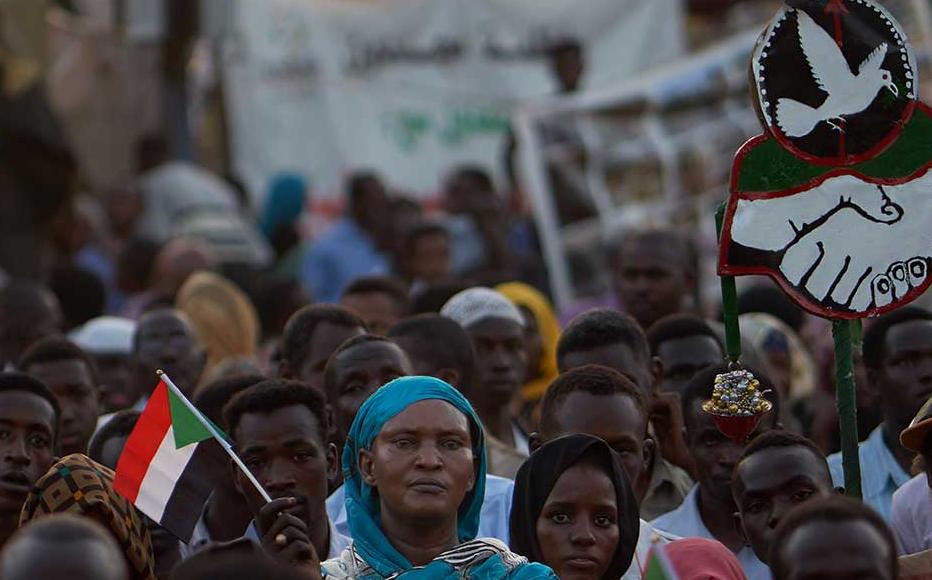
{"x":414,"y":468}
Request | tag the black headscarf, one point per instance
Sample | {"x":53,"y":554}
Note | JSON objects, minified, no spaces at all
{"x":538,"y":476}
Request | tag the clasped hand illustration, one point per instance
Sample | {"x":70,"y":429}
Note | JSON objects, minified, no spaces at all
{"x":850,"y":243}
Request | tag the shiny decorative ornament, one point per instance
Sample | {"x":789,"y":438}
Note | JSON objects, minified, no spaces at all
{"x":737,"y":405}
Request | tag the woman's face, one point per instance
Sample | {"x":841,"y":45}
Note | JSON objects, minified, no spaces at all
{"x":578,"y":527}
{"x":421,"y":463}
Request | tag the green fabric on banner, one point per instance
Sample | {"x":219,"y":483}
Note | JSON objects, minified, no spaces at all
{"x":770,"y":167}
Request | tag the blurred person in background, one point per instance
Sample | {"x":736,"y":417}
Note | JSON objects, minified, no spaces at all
{"x":685,"y":345}
{"x":109,"y":342}
{"x":280,"y":219}
{"x":424,"y":256}
{"x":311,"y":336}
{"x":81,"y":294}
{"x":379,"y":300}
{"x":84,"y":550}
{"x":71,"y":376}
{"x":166,"y":340}
{"x":355,"y":246}
{"x":496,"y":329}
{"x":134,"y":265}
{"x":654,"y":275}
{"x":541,"y":332}
{"x":28,"y":312}
{"x":183,"y":199}
{"x":223,"y":317}
{"x":478,"y":224}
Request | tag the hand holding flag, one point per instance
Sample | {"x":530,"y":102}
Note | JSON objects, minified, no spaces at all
{"x":172,"y":461}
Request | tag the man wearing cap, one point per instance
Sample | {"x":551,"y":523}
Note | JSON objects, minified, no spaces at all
{"x":109,"y":342}
{"x":912,"y":503}
{"x":496,"y":329}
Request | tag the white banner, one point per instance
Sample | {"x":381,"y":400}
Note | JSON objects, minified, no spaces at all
{"x":411,"y":88}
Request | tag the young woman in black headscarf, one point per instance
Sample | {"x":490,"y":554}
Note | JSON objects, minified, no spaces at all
{"x":574,"y":510}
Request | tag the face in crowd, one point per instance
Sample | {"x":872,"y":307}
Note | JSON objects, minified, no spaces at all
{"x":500,"y":361}
{"x":165,"y":340}
{"x":28,"y":440}
{"x":356,"y":370}
{"x":771,"y":481}
{"x":422,"y":465}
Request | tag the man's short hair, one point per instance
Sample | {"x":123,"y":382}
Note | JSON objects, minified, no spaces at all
{"x":381,"y":285}
{"x":876,"y":334}
{"x":121,"y":424}
{"x":330,"y":370}
{"x":274,"y":394}
{"x":213,"y":397}
{"x":833,"y":509}
{"x":780,"y":438}
{"x":592,"y":379}
{"x":768,"y":299}
{"x":676,"y":326}
{"x":14,"y":381}
{"x":440,"y":341}
{"x":301,"y":326}
{"x":601,"y":327}
{"x":54,"y":349}
{"x":700,"y":388}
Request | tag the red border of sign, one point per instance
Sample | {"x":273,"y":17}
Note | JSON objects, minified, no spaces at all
{"x":725,"y":242}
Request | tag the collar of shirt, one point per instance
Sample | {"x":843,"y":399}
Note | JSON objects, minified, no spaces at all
{"x":666,"y":490}
{"x":881,"y":474}
{"x":338,"y":542}
{"x":686,"y":522}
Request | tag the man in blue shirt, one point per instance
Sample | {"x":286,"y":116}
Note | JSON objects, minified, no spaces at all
{"x":354,"y":246}
{"x":898,"y":359}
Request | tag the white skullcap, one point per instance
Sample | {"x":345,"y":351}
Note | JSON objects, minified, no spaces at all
{"x":106,"y":335}
{"x":474,"y":304}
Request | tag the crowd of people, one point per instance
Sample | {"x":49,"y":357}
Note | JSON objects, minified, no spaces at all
{"x":405,"y":392}
{"x":402,"y":387}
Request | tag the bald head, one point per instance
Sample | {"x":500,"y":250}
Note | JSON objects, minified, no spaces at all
{"x":176,"y":261}
{"x":82,"y":549}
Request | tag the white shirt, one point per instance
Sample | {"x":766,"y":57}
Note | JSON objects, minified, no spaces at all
{"x":911,"y":519}
{"x":493,"y":519}
{"x":646,"y":537}
{"x":686,"y":522}
{"x":881,"y":474}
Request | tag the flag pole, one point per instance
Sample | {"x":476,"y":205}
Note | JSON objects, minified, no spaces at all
{"x":216,"y":435}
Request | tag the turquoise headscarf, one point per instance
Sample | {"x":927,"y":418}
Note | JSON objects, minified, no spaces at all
{"x":284,"y":202}
{"x":362,"y":504}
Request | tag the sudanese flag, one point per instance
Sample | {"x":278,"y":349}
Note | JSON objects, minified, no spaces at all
{"x":171,"y":463}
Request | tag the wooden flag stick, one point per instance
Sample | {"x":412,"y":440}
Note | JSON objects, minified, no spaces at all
{"x":845,"y":401}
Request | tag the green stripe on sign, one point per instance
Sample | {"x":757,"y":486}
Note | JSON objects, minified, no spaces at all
{"x":770,"y":167}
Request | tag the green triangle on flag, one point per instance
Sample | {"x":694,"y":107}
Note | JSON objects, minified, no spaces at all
{"x":186,"y":427}
{"x":658,"y":567}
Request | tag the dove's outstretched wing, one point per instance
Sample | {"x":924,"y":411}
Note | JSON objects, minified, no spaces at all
{"x":874,"y":59}
{"x":828,"y":65}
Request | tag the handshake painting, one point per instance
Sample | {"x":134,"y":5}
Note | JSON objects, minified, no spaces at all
{"x":840,"y":215}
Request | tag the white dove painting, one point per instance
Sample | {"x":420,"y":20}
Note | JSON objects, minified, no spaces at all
{"x":847,"y":92}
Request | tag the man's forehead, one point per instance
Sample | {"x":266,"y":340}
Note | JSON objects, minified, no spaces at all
{"x":369,"y":356}
{"x":911,"y":335}
{"x":162,"y":321}
{"x":495,"y":328}
{"x":288,"y":421}
{"x":581,"y":408}
{"x":24,"y":407}
{"x":697,"y":346}
{"x":773,"y":467}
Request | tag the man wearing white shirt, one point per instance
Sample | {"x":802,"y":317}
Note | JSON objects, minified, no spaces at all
{"x":709,"y":508}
